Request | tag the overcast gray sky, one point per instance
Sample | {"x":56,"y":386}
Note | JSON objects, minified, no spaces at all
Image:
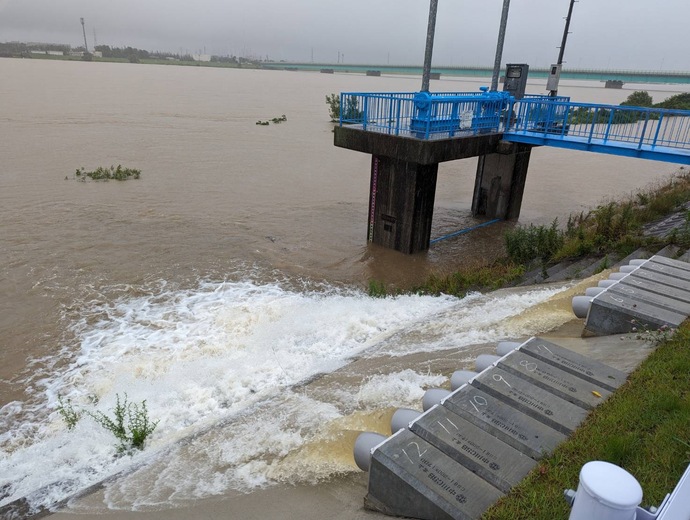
{"x":622,"y":34}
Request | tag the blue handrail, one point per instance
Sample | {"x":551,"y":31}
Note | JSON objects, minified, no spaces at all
{"x":535,"y":119}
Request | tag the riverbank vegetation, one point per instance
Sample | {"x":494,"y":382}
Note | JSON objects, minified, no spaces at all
{"x":130,"y":423}
{"x":612,"y":228}
{"x":644,"y":428}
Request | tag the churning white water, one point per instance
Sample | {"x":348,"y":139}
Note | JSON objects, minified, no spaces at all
{"x":227,"y":355}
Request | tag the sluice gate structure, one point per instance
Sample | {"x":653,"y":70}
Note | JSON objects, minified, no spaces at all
{"x":409,"y":134}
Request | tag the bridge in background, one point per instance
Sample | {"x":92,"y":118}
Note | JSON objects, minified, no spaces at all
{"x":626,"y":76}
{"x":409,"y":134}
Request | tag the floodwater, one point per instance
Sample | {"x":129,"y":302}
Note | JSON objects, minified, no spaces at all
{"x":231,"y":272}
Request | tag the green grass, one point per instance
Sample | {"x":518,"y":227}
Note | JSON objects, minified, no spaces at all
{"x":644,"y":428}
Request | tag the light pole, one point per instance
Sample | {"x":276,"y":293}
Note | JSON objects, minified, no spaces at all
{"x":430,"y":32}
{"x":561,"y":52}
{"x":499,"y":45}
{"x":83,"y":30}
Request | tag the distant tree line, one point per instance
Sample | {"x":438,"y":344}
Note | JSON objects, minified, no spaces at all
{"x":18,"y":49}
{"x":132,"y":54}
{"x":640,"y":98}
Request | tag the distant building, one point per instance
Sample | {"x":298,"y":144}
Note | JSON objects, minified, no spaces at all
{"x":201,"y":57}
{"x":48,"y":53}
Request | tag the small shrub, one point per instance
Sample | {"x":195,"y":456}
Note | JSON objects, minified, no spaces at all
{"x":333,"y":102}
{"x":525,"y":244}
{"x":68,"y":413}
{"x":131,"y":424}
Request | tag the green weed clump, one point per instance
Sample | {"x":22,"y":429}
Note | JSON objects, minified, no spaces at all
{"x":525,"y":244}
{"x":106,"y":174}
{"x":130,"y":424}
{"x":68,"y":413}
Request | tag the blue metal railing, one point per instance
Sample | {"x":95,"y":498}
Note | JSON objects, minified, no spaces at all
{"x":536,"y":119}
{"x":612,"y":125}
{"x":427,"y":116}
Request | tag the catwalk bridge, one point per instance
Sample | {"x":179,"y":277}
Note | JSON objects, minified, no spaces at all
{"x":647,"y":133}
{"x":409,"y":134}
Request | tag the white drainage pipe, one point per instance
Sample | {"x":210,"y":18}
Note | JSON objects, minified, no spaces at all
{"x":364,"y":444}
{"x":607,"y":283}
{"x":505,"y":347}
{"x":617,"y":276}
{"x":460,"y":377}
{"x":606,"y":492}
{"x":484,"y":361}
{"x":581,"y":305}
{"x":434,"y":396}
{"x":593,"y":291}
{"x":402,"y":417}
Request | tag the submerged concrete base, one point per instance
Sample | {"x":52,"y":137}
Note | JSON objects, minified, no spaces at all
{"x":401,"y":204}
{"x":457,"y":459}
{"x":403,"y":180}
{"x":500,"y":181}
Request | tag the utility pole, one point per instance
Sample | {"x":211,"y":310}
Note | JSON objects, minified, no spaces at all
{"x":430,"y":32}
{"x":554,"y":91}
{"x":83,"y":30}
{"x":499,"y":46}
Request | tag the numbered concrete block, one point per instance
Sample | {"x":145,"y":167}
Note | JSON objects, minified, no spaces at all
{"x":492,"y":459}
{"x":639,"y":293}
{"x":663,"y":260}
{"x":660,"y":278}
{"x":577,"y":364}
{"x":657,"y":266}
{"x":542,"y":405}
{"x":612,"y":313}
{"x":498,"y":418}
{"x":649,"y":290}
{"x":565,"y":385}
{"x":410,"y":477}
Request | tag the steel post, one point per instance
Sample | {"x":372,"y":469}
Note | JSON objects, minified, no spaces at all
{"x":499,"y":45}
{"x":431,"y":30}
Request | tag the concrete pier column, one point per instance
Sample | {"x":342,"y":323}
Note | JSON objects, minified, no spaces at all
{"x":500,"y":181}
{"x":401,"y":203}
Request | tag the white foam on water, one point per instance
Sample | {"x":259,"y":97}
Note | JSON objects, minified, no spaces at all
{"x":208,"y":355}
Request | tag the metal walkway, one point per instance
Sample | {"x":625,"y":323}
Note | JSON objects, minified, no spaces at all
{"x":646,"y":133}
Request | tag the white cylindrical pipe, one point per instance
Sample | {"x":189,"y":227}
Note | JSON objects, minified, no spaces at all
{"x":505,"y":347}
{"x":617,"y":276}
{"x":627,"y":268}
{"x":484,"y":361}
{"x":402,"y":417}
{"x":581,"y":305}
{"x":637,"y":261}
{"x":434,"y":396}
{"x":460,"y":377}
{"x":607,"y":283}
{"x":365,"y":442}
{"x":606,"y":492}
{"x":593,"y":291}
